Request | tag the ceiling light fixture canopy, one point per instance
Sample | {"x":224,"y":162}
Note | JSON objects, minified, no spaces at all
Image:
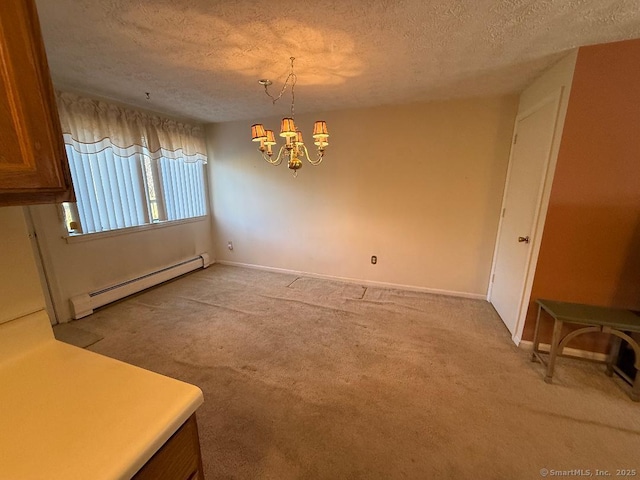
{"x":294,"y":149}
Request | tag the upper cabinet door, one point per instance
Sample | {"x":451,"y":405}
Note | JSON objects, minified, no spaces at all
{"x":33,"y":163}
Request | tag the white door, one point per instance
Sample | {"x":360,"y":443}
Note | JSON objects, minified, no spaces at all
{"x":533,"y":138}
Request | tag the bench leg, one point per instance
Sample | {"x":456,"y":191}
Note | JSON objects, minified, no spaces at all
{"x":555,"y":342}
{"x":635,"y":389}
{"x":613,"y":354}
{"x":536,"y":336}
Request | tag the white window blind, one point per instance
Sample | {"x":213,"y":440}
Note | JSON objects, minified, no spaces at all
{"x":109,"y":190}
{"x":182,"y":189}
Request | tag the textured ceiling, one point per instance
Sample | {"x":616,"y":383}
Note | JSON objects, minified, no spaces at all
{"x":201,"y":59}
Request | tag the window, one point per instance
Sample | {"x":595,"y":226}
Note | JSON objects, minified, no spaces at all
{"x":114,"y":192}
{"x":128,"y":168}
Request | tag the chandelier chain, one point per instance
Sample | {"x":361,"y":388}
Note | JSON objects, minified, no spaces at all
{"x":293,"y":77}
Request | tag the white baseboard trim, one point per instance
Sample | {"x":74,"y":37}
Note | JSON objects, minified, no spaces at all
{"x":368,"y":283}
{"x":84,"y":304}
{"x":573,"y":352}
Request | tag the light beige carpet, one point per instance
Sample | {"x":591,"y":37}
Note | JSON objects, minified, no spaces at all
{"x":307,"y":378}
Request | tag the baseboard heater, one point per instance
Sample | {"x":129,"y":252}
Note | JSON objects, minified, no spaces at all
{"x":83,"y":305}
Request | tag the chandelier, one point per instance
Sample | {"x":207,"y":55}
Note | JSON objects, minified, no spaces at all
{"x":294,"y":149}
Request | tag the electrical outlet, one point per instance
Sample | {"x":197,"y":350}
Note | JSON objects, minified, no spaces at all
{"x":230,"y":245}
{"x":374,"y":259}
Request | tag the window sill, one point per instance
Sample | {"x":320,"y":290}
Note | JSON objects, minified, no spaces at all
{"x":85,"y":237}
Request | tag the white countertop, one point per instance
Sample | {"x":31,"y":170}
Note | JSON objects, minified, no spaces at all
{"x":67,"y":413}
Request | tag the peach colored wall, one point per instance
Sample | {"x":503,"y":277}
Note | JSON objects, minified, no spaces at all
{"x":590,"y":250}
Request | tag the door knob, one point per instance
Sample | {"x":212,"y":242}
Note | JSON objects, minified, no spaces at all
{"x":524,"y":239}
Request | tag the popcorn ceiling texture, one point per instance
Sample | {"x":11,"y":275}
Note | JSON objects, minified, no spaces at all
{"x":201,"y":59}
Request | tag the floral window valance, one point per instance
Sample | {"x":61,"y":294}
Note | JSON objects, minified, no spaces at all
{"x":90,"y":126}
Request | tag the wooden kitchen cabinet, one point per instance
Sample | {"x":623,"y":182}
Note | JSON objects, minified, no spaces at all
{"x":33,"y":162}
{"x":178,"y":459}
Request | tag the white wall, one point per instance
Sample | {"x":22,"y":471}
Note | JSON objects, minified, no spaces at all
{"x":417,"y":185}
{"x":20,"y":290}
{"x":81,"y":267}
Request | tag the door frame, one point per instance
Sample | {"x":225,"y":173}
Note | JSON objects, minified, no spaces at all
{"x":540,"y":213}
{"x":45,"y":277}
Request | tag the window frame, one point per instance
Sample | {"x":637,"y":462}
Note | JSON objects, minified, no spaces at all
{"x":86,"y":237}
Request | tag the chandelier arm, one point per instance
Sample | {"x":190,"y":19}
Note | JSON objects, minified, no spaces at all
{"x":275,"y":161}
{"x":306,"y":152}
{"x":315,"y":162}
{"x":269,"y":159}
{"x":318,"y":160}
